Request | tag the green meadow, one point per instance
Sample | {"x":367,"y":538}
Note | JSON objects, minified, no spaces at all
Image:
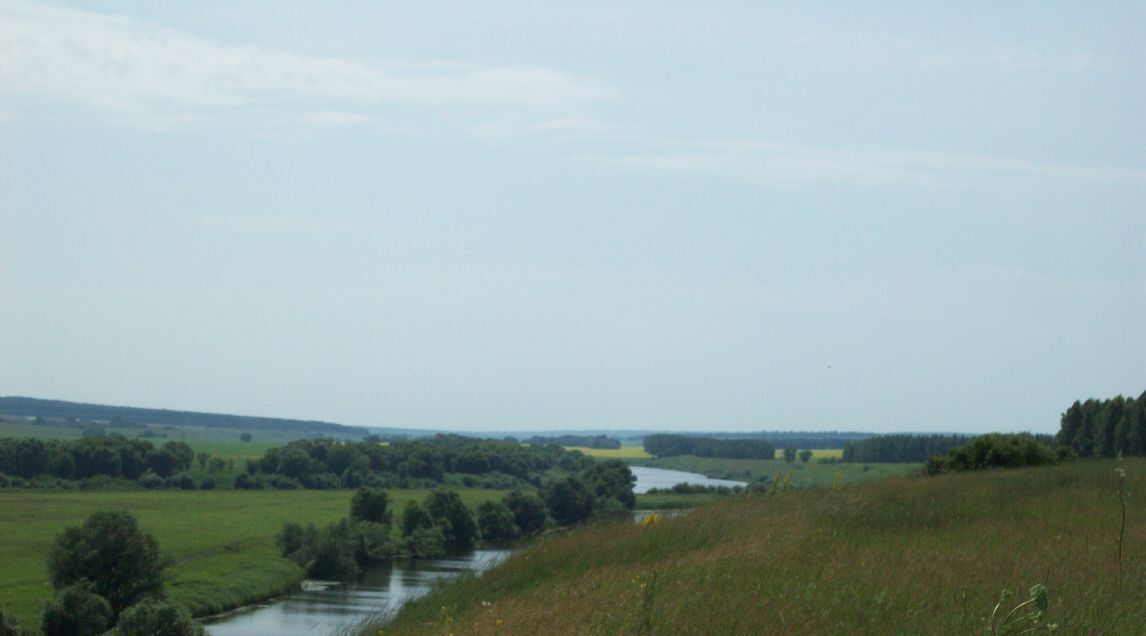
{"x":909,"y":555}
{"x":220,"y":544}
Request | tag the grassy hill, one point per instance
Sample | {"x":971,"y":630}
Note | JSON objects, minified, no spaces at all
{"x":61,"y":411}
{"x":896,"y":556}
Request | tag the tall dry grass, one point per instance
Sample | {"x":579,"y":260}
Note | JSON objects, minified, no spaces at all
{"x":901,"y":556}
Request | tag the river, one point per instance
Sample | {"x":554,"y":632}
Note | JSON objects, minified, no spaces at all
{"x":321,"y":610}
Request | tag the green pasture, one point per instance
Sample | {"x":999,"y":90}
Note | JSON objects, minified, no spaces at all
{"x":624,"y":452}
{"x":220,"y":543}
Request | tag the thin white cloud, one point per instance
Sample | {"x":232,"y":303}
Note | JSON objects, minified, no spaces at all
{"x":786,"y":166}
{"x":135,"y":67}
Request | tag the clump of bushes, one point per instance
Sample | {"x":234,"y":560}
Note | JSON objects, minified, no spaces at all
{"x":994,"y":450}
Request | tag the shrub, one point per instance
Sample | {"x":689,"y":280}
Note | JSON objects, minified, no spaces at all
{"x":425,"y":541}
{"x":495,"y":520}
{"x":449,"y":512}
{"x":370,"y":504}
{"x":109,"y":552}
{"x":247,"y":481}
{"x":156,"y":618}
{"x":151,"y":481}
{"x":76,"y":611}
{"x":568,"y":501}
{"x":414,"y":517}
{"x":528,"y":512}
{"x":995,"y":450}
{"x":208,"y":483}
{"x":8,"y":625}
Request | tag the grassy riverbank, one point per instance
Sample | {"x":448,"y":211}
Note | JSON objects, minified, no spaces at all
{"x":902,"y":555}
{"x":221,"y":543}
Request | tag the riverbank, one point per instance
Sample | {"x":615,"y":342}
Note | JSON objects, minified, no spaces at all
{"x":221,"y":544}
{"x":901,"y":555}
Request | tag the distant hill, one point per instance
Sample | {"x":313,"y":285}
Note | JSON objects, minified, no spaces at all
{"x":81,"y":412}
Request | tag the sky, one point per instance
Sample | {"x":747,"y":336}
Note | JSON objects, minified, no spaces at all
{"x":511,"y":216}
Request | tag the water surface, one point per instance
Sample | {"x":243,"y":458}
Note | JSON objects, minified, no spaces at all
{"x":378,"y":594}
{"x":664,"y":478}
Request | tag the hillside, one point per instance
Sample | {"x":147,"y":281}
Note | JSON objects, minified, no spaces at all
{"x":66,"y":411}
{"x":907,"y":555}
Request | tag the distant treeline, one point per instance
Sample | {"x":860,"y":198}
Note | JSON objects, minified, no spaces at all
{"x":112,"y":457}
{"x":901,"y":448}
{"x":1104,"y":428}
{"x":465,"y":461}
{"x":584,"y":441}
{"x":798,"y":439}
{"x":664,"y":445}
{"x":126,"y":415}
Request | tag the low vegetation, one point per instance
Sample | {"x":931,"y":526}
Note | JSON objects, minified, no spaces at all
{"x":909,"y":555}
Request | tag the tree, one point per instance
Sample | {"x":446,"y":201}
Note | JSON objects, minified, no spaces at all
{"x":528,"y":511}
{"x":789,"y":455}
{"x":611,"y":479}
{"x":370,"y":504}
{"x":246,"y":437}
{"x":495,"y":521}
{"x":805,"y":456}
{"x":453,"y":517}
{"x":77,"y":611}
{"x":414,"y":516}
{"x":156,"y":618}
{"x":120,"y":562}
{"x":568,"y":500}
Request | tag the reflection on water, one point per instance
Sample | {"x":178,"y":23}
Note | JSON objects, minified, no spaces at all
{"x":664,"y":478}
{"x":380,"y":592}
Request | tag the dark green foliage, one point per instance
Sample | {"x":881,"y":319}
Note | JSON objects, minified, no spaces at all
{"x":156,"y":618}
{"x":901,"y":448}
{"x":528,"y":512}
{"x":8,"y":625}
{"x":993,"y":450}
{"x":495,"y":520}
{"x":425,"y":462}
{"x":338,"y":550}
{"x":425,"y":542}
{"x":1105,"y":428}
{"x":245,"y":437}
{"x":789,"y":455}
{"x":453,"y":517}
{"x":805,"y":456}
{"x":110,"y":553}
{"x":414,"y":516}
{"x":610,"y":479}
{"x":569,"y":501}
{"x":664,"y":445}
{"x":77,"y":611}
{"x":371,"y":504}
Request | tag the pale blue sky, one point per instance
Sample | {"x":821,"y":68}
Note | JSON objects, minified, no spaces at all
{"x":895,"y":216}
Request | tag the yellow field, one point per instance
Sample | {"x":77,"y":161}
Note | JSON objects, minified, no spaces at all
{"x":624,"y":452}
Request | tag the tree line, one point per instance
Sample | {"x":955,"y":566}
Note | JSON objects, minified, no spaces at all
{"x":584,"y":441}
{"x":666,"y":445}
{"x":442,"y":524}
{"x":1105,"y":428}
{"x":428,"y":462}
{"x":111,"y":457}
{"x":901,"y":448}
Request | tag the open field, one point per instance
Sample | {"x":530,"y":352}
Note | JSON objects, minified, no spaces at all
{"x":221,"y":543}
{"x":809,"y":475}
{"x":817,"y":453}
{"x":896,"y":556}
{"x":624,"y":452}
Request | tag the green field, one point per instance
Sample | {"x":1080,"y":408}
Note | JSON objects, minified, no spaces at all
{"x":897,"y":556}
{"x":221,"y":543}
{"x":804,"y":475}
{"x":218,"y":442}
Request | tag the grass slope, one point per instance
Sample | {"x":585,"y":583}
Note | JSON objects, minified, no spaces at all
{"x":221,"y":543}
{"x":898,"y":556}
